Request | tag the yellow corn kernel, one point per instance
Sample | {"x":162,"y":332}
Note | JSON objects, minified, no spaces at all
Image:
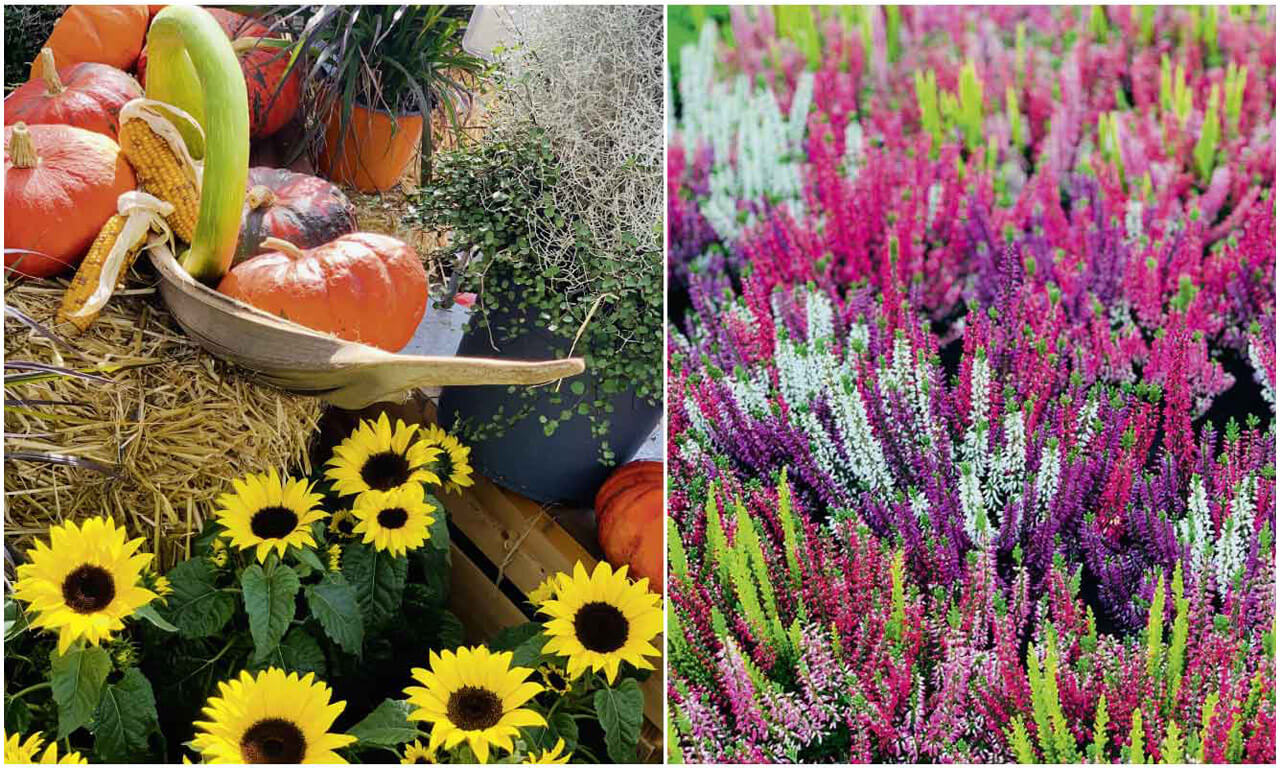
{"x":88,"y":274}
{"x":161,"y":174}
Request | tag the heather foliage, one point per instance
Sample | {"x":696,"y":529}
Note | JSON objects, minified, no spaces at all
{"x":972,"y":406}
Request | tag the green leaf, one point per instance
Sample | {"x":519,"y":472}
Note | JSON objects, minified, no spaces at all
{"x":511,"y":638}
{"x":298,"y":652}
{"x":269,"y":601}
{"x":15,"y":619}
{"x":197,"y":607}
{"x":378,"y":578}
{"x":621,"y":712}
{"x":560,"y":725}
{"x":386,"y":726}
{"x":78,"y":676}
{"x":309,"y":556}
{"x":149,"y":613}
{"x":125,"y":718}
{"x":451,"y":633}
{"x":333,"y":603}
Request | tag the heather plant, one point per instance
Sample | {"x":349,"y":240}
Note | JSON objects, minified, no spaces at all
{"x":971,"y":386}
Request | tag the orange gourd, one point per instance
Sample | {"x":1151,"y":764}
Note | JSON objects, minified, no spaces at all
{"x":103,"y":34}
{"x":264,"y":68}
{"x":86,"y":95}
{"x":60,"y":186}
{"x":629,"y":520}
{"x":360,"y":287}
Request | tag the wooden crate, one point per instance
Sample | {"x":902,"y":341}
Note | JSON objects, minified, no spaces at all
{"x":505,"y":546}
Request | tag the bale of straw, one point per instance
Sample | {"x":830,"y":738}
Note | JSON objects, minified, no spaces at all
{"x":170,"y":430}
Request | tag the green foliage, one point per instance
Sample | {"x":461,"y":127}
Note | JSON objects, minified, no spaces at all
{"x":378,"y":579}
{"x":1206,"y":148}
{"x":791,"y":537}
{"x":1172,"y":747}
{"x":197,"y":607}
{"x":1155,"y":630}
{"x":898,"y":613}
{"x":1175,"y":94}
{"x":620,"y":711}
{"x":334,"y":604}
{"x":125,"y":719}
{"x":77,"y":678}
{"x":1233,"y":97}
{"x":1020,"y":741}
{"x":1057,"y":743}
{"x":927,"y":102}
{"x":500,"y":199}
{"x":269,"y":601}
{"x":796,"y":23}
{"x":1137,"y":748}
{"x":1177,"y":654}
{"x":1097,"y":750}
{"x":387,"y":726}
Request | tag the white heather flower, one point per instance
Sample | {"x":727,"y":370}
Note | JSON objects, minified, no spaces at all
{"x":1048,"y":478}
{"x":1196,"y":529}
{"x":1233,"y":537}
{"x":853,"y":149}
{"x":976,"y":523}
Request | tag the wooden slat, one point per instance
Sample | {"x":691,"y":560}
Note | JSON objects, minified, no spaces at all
{"x":480,"y":605}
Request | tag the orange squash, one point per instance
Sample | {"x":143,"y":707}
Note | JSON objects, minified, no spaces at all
{"x":374,"y":152}
{"x":263,"y":68}
{"x":60,"y":186}
{"x":86,"y":95}
{"x":629,"y":520}
{"x":104,"y":34}
{"x":360,"y":287}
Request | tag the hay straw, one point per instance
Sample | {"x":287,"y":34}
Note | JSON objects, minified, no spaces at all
{"x":176,"y":427}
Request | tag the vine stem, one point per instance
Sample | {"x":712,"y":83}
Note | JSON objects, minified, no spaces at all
{"x":31,"y":689}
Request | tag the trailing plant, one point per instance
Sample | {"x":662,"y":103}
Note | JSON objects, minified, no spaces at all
{"x":562,"y":223}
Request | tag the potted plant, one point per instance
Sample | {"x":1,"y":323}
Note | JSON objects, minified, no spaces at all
{"x":378,"y":73}
{"x":560,"y":210}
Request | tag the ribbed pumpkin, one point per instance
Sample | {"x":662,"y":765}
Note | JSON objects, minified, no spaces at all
{"x":361,"y":287}
{"x":301,"y":209}
{"x":86,"y":95}
{"x":60,"y":186}
{"x":629,"y":520}
{"x":103,"y":34}
{"x":263,"y":68}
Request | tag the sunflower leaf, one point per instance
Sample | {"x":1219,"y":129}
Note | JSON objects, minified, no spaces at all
{"x":621,"y":712}
{"x":511,"y":638}
{"x":333,"y":603}
{"x":378,"y":578}
{"x":269,"y":599}
{"x":150,"y":613}
{"x":78,"y":676}
{"x":125,"y":719}
{"x":298,"y":652}
{"x":560,"y":725}
{"x":309,"y":557}
{"x":197,"y":607}
{"x":386,"y":726}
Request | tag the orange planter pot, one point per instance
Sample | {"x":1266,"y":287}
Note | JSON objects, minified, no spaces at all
{"x":377,"y":149}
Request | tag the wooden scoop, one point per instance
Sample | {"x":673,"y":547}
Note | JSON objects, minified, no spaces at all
{"x":295,"y":358}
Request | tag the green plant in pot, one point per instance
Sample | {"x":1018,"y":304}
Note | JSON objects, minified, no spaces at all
{"x":375,"y":74}
{"x":557,"y":442}
{"x":559,"y":213}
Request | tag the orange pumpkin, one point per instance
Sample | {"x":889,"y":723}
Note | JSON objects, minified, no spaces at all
{"x":360,"y":287}
{"x":86,"y":95}
{"x":263,"y":68}
{"x":60,"y":187}
{"x":629,"y":520}
{"x":104,"y":34}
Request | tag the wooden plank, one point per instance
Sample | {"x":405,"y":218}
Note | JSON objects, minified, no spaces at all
{"x":480,"y":605}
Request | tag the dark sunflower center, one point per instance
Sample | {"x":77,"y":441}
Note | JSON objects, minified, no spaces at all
{"x":88,"y":589}
{"x":421,"y":759}
{"x":273,"y":741}
{"x":384,"y":471}
{"x":600,"y":627}
{"x":555,"y":680}
{"x":392,"y":518}
{"x":346,"y":525}
{"x":474,"y":709}
{"x":444,"y":465}
{"x":273,"y":522}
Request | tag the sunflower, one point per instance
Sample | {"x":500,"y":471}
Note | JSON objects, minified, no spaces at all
{"x":343,"y":523}
{"x":554,"y":679}
{"x":394,"y":521}
{"x":85,"y":582}
{"x":545,"y":591}
{"x":473,"y":696}
{"x":377,"y":458}
{"x":602,"y":620}
{"x":335,"y":558}
{"x":416,"y":753}
{"x":270,"y":718}
{"x":549,"y":756}
{"x":18,"y":752}
{"x":269,"y":512}
{"x":453,"y":465}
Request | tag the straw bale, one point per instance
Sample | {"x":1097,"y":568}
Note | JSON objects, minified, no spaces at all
{"x":172,"y":427}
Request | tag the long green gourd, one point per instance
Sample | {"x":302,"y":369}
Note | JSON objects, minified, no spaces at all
{"x":194,"y":68}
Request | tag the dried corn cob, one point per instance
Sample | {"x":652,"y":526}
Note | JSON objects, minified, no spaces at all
{"x":155,"y":149}
{"x":113,"y":252}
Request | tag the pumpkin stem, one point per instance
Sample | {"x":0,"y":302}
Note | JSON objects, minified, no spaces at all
{"x":49,"y":70}
{"x":260,"y":196}
{"x":284,"y":246}
{"x":22,"y":149}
